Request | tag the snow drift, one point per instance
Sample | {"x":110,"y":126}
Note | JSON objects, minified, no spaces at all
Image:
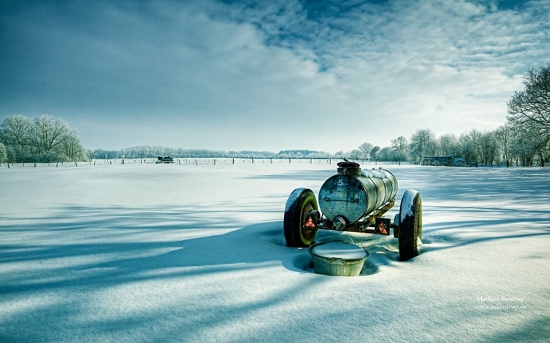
{"x":188,"y":253}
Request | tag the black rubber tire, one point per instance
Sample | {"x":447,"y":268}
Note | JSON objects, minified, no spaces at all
{"x":410,"y":225}
{"x":300,"y":201}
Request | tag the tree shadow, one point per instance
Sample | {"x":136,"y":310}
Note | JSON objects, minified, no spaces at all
{"x":136,"y":240}
{"x":78,"y":255}
{"x":88,"y":251}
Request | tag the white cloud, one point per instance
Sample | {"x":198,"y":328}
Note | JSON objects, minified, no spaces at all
{"x":272,"y":75}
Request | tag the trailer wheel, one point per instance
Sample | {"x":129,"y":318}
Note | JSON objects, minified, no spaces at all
{"x":410,"y":224}
{"x":297,"y":234}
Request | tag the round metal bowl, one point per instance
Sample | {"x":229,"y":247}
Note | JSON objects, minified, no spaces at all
{"x":338,"y":258}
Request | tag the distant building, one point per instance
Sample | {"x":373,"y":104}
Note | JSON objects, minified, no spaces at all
{"x":165,"y":160}
{"x":459,"y":162}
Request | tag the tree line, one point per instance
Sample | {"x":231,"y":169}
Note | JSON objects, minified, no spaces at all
{"x":523,"y":140}
{"x":146,"y":151}
{"x":42,"y":139}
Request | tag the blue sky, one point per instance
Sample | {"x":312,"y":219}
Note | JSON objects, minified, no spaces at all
{"x":267,"y":75}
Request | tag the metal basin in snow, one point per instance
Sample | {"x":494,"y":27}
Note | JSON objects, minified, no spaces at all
{"x":338,"y":258}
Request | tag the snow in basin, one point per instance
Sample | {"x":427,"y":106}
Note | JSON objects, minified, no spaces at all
{"x":339,"y":250}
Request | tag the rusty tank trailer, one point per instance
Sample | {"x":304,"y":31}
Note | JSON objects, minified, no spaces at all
{"x":355,"y":200}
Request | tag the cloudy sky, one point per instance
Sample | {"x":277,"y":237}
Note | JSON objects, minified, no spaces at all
{"x":267,"y":75}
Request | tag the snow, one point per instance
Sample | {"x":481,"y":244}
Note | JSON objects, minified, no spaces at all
{"x":292,"y":198}
{"x":196,"y":253}
{"x":407,"y":204}
{"x":340,"y":250}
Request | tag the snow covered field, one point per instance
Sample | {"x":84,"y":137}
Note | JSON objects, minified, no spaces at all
{"x":196,"y":253}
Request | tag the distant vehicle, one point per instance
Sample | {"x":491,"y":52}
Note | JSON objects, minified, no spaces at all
{"x":354,"y":200}
{"x":165,"y":159}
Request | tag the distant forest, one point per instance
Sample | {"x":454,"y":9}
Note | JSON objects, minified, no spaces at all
{"x":154,"y":151}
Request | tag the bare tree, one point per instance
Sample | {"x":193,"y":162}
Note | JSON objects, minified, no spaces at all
{"x":475,"y":139}
{"x":488,"y":147}
{"x":385,"y":154}
{"x":523,"y":147}
{"x":504,"y":137}
{"x":356,"y":154}
{"x":531,"y":107}
{"x":43,"y":139}
{"x":449,"y":145}
{"x":467,"y":147}
{"x":433,"y":148}
{"x":71,"y":148}
{"x":419,"y":144}
{"x":400,"y":145}
{"x":529,"y":115}
{"x":3,"y":153}
{"x":545,"y":154}
{"x":48,"y":133}
{"x":373,"y":153}
{"x":365,"y":149}
{"x":15,"y":131}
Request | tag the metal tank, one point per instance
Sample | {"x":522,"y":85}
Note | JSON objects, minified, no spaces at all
{"x":354,"y":193}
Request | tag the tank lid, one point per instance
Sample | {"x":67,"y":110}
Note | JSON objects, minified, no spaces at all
{"x":348,"y":164}
{"x":348,"y":167}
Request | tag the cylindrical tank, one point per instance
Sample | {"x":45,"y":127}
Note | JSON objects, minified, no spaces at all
{"x":354,"y":193}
